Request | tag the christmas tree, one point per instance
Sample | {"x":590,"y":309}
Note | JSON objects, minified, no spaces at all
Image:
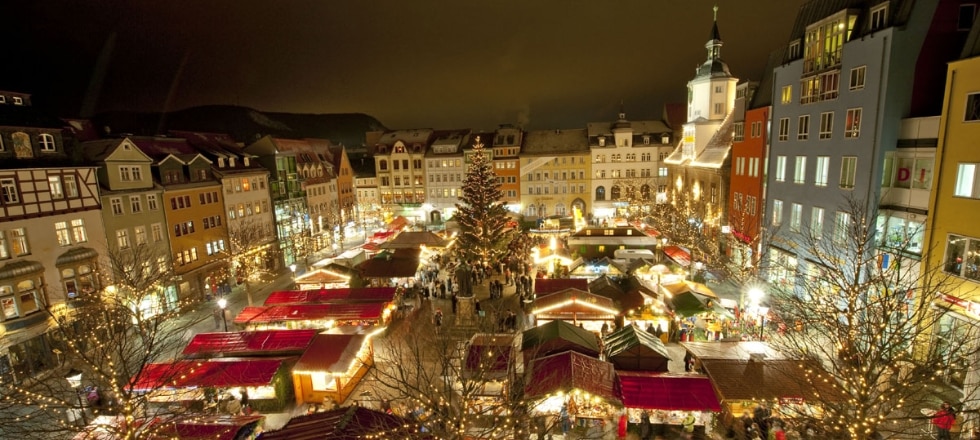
{"x":481,"y":215}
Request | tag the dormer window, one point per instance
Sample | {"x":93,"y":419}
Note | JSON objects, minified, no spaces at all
{"x":879,"y":17}
{"x":18,"y":100}
{"x":794,"y":49}
{"x":245,"y":160}
{"x":646,"y":139}
{"x":221,"y":162}
{"x":602,"y":141}
{"x":665,"y":139}
{"x":231,"y":161}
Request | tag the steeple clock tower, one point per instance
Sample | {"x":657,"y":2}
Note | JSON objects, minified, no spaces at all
{"x":710,"y":95}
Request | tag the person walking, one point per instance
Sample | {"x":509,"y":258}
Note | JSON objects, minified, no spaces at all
{"x":437,"y":320}
{"x":944,"y":420}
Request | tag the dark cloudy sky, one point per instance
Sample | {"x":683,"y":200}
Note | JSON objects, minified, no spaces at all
{"x":410,"y":63}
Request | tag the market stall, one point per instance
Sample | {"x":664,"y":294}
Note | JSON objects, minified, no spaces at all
{"x":385,"y":295}
{"x":332,"y":367}
{"x":353,"y":422}
{"x":556,"y":337}
{"x":391,"y":268}
{"x":592,"y":269}
{"x":313,"y":316}
{"x":544,"y":286}
{"x":249,"y":344}
{"x":488,"y":364}
{"x":705,"y":317}
{"x":595,"y":313}
{"x":321,"y":279}
{"x":266,"y":381}
{"x":580,"y":383}
{"x":198,"y":426}
{"x":633,"y":349}
{"x":668,"y":399}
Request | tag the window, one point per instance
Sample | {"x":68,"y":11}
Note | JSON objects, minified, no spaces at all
{"x":661,"y":171}
{"x":46,"y":141}
{"x":8,"y":191}
{"x":842,"y":225}
{"x":124,"y":174}
{"x":780,"y":168}
{"x":826,"y":125}
{"x":135,"y":204}
{"x":600,"y":193}
{"x":122,"y":238}
{"x":78,"y":231}
{"x":787,"y":94}
{"x":71,"y":186}
{"x":61,"y":232}
{"x":116,"y":204}
{"x":54,"y":185}
{"x":784,"y":129}
{"x":794,"y":49}
{"x":795,"y":217}
{"x":756,"y":129}
{"x":879,"y":17}
{"x":739,"y":166}
{"x":963,"y":257}
{"x":777,"y":212}
{"x":968,"y":13}
{"x":151,"y":202}
{"x":140,"y":235}
{"x":799,"y":172}
{"x":823,"y":171}
{"x":719,"y":108}
{"x":754,"y":166}
{"x":967,"y":184}
{"x":816,"y":222}
{"x":857,"y":78}
{"x":972,"y":107}
{"x":751,"y":205}
{"x":737,"y":202}
{"x":18,"y":242}
{"x":383,"y":165}
{"x":852,"y":126}
{"x":739,"y":137}
{"x":803,"y":129}
{"x":848,"y":172}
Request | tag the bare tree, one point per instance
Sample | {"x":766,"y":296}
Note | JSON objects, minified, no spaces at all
{"x":248,"y":238}
{"x":867,"y":319}
{"x":108,"y":338}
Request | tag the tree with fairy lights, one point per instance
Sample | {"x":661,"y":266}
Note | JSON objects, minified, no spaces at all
{"x":251,"y":244}
{"x":106,"y":336}
{"x":864,"y":307}
{"x":480,"y":212}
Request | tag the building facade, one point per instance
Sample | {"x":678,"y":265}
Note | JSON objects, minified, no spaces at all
{"x":557,"y":166}
{"x":506,"y":148}
{"x":399,"y":158}
{"x":444,"y":173}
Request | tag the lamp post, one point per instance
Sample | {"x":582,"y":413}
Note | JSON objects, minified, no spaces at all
{"x":755,"y":297}
{"x":763,"y":311}
{"x":222,"y":303}
{"x":695,"y":268}
{"x":74,"y":379}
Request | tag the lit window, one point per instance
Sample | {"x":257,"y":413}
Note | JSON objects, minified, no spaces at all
{"x":816,"y":222}
{"x":70,"y":186}
{"x":852,"y":126}
{"x":799,"y":172}
{"x":47,"y":142}
{"x":857,"y":77}
{"x":780,"y":168}
{"x":848,"y":172}
{"x":78,"y":231}
{"x":803,"y":130}
{"x":787,"y":95}
{"x":795,"y":217}
{"x":61,"y":232}
{"x":822,"y":171}
{"x":122,"y":238}
{"x":967,"y":183}
{"x":826,"y":125}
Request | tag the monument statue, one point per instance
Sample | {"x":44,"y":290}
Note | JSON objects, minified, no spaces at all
{"x":464,"y":278}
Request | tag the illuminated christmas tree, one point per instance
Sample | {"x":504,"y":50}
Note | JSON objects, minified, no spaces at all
{"x":481,"y":214}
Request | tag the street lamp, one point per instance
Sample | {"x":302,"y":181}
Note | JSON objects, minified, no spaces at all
{"x":222,"y":303}
{"x":763,"y":311}
{"x":74,"y":378}
{"x":696,"y":268}
{"x":755,"y":297}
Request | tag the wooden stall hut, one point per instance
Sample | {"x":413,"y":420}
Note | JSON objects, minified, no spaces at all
{"x":313,"y":316}
{"x":581,"y":383}
{"x":634,"y":349}
{"x":332,"y":367}
{"x":263,"y":343}
{"x":544,"y":286}
{"x":321,"y":279}
{"x":595,"y":313}
{"x":489,"y":364}
{"x":390,"y":268}
{"x":668,"y":398}
{"x":556,"y":337}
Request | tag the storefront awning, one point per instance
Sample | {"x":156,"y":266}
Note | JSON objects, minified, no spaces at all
{"x":567,"y":371}
{"x":679,"y":255}
{"x":330,"y":353}
{"x":672,"y":392}
{"x":217,"y":373}
{"x":265,"y":342}
{"x":310,"y":312}
{"x":367,"y":294}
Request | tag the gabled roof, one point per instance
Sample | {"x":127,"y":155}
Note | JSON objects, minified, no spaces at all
{"x":257,"y":343}
{"x":568,"y":371}
{"x":401,"y":264}
{"x":544,"y":286}
{"x":575,"y":303}
{"x":489,"y":355}
{"x":348,"y":423}
{"x":543,"y":142}
{"x":666,"y":391}
{"x":633,"y":349}
{"x":556,"y":337}
{"x":364,"y":294}
{"x":160,"y":148}
{"x":217,"y":373}
{"x":330,"y":353}
{"x":310,"y":312}
{"x":102,"y":149}
{"x":414,"y":240}
{"x":767,"y":379}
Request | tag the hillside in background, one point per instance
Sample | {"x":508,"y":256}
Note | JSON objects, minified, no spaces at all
{"x":243,"y":123}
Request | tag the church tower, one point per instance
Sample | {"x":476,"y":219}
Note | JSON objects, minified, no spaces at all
{"x":710,"y":95}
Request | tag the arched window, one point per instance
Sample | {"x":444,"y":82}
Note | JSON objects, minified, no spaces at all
{"x":600,"y":193}
{"x":532,"y":211}
{"x":615,"y":194}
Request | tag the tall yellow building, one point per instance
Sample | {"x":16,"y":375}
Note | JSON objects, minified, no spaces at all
{"x":555,"y":166}
{"x":953,"y":235}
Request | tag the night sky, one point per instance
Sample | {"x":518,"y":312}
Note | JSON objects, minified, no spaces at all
{"x":410,"y":63}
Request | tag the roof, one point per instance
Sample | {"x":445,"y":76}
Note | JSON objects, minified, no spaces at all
{"x":688,"y":302}
{"x":217,"y":373}
{"x":633,"y":349}
{"x":741,"y":350}
{"x":765,"y":379}
{"x":555,"y":142}
{"x":489,"y":355}
{"x":574,"y":303}
{"x":666,"y":391}
{"x":621,"y":231}
{"x":348,"y":423}
{"x":544,"y":286}
{"x":363,"y":294}
{"x":322,"y":276}
{"x":306,"y":312}
{"x":207,"y":426}
{"x":159,"y":148}
{"x":605,"y":286}
{"x":639,"y":128}
{"x":261,"y":343}
{"x":679,"y":255}
{"x":675,"y":114}
{"x":330,"y":353}
{"x":414,"y":240}
{"x":568,"y":371}
{"x":558,"y":336}
{"x":400,"y":264}
{"x":28,"y":116}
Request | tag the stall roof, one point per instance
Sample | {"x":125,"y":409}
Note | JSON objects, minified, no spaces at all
{"x":570,"y":370}
{"x":633,"y":349}
{"x":304,"y":312}
{"x":401,"y":264}
{"x":738,"y":350}
{"x":365,"y":294}
{"x":495,"y":348}
{"x":558,"y":336}
{"x":575,"y":302}
{"x":679,"y":255}
{"x":544,"y":286}
{"x":217,"y":373}
{"x":765,"y":379}
{"x":666,"y":391}
{"x":264,"y":343}
{"x":330,"y":353}
{"x":415,"y":240}
{"x":321,"y":276}
{"x":203,"y":426}
{"x":350,"y":423}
